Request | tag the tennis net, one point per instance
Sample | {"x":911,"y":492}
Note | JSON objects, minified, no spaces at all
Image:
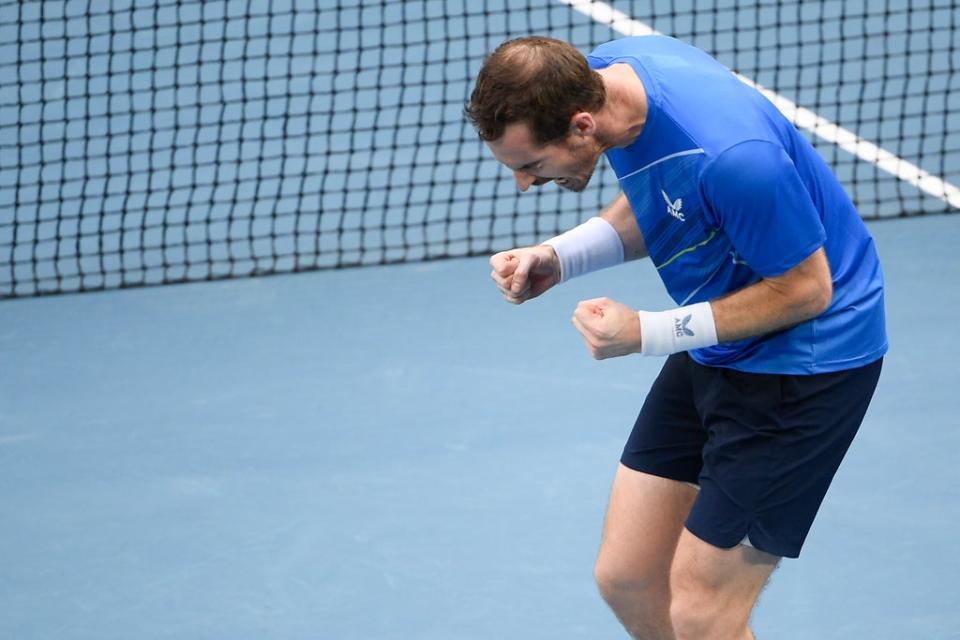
{"x":160,"y":141}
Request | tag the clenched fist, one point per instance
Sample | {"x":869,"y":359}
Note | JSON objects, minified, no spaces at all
{"x":522,"y":274}
{"x":610,"y":329}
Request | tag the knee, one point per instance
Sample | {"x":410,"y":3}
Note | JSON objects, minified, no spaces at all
{"x":702,"y":614}
{"x":617,"y":582}
{"x":697,"y":607}
{"x":691,"y":617}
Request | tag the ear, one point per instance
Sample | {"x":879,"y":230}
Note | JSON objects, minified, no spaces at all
{"x":582,"y":123}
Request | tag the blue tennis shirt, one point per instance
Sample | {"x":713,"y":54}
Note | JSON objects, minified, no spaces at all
{"x":726,"y":192}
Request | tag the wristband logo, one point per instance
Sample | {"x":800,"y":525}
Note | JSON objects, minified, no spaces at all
{"x":680,"y":327}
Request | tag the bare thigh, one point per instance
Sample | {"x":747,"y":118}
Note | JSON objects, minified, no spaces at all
{"x":740,"y":572}
{"x":714,"y":590}
{"x":642,"y":527}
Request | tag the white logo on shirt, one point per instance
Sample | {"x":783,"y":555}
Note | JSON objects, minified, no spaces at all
{"x":673,"y":208}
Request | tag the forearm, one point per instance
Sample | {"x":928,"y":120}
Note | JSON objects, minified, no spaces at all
{"x":602,"y":241}
{"x":772,"y":304}
{"x":620,"y":216}
{"x":776,"y":303}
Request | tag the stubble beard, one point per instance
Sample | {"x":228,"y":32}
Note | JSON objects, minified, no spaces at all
{"x":577,"y":184}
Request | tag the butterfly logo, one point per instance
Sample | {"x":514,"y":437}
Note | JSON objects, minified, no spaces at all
{"x":673,"y":207}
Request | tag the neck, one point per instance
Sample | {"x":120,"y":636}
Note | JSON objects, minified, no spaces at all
{"x":625,"y":111}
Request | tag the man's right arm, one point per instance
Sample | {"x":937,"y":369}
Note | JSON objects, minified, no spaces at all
{"x":620,"y":216}
{"x":526,"y":273}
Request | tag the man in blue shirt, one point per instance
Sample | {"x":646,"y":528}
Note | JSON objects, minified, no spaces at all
{"x":777,"y":341}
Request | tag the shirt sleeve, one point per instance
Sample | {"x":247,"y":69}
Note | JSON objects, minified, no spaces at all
{"x":758,"y":199}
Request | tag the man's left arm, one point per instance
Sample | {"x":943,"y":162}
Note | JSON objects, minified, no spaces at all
{"x":764,"y":209}
{"x":776,"y":302}
{"x":612,"y":329}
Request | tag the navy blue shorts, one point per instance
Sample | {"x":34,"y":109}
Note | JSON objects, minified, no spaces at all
{"x":763,"y":448}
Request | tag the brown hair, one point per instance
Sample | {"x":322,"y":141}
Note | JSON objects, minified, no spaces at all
{"x":538,"y":81}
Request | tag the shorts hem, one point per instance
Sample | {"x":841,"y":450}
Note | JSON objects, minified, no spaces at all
{"x":660,"y":472}
{"x":760,"y":543}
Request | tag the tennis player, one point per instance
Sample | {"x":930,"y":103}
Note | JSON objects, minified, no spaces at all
{"x":774,"y":348}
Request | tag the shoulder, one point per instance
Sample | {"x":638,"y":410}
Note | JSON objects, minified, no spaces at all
{"x":633,"y":47}
{"x":757,"y":161}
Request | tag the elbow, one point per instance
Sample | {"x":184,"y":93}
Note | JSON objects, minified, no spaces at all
{"x":808,"y":298}
{"x":819,"y":297}
{"x":817,"y":287}
{"x":813,"y":292}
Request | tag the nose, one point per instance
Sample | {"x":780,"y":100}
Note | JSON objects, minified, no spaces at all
{"x":524,"y":180}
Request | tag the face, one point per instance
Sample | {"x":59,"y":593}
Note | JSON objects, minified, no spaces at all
{"x":569,"y":163}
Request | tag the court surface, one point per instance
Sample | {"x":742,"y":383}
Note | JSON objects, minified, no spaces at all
{"x":395,"y":453}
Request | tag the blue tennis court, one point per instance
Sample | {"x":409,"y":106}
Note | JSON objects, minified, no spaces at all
{"x":392,"y":451}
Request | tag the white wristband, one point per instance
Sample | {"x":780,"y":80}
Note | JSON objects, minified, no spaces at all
{"x":593,"y":245}
{"x":680,"y":329}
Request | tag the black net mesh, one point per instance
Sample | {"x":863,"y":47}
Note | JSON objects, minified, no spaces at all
{"x":158,"y":141}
